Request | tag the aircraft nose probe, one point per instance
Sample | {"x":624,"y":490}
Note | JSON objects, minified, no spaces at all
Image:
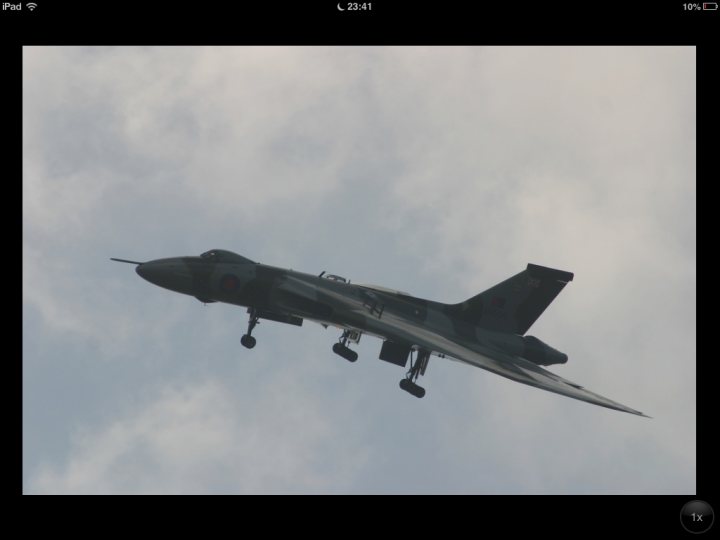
{"x":125,"y":261}
{"x":141,"y":270}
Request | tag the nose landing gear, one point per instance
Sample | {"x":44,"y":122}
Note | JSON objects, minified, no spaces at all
{"x":247,"y":340}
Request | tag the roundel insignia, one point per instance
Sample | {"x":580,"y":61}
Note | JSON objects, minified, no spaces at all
{"x":229,"y":282}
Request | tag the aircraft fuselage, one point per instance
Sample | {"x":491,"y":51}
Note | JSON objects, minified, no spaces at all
{"x":488,"y":330}
{"x":286,"y":292}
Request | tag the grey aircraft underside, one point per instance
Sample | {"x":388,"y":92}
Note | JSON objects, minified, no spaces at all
{"x":487,"y":331}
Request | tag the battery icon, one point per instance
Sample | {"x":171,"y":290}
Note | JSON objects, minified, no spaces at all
{"x":709,"y":6}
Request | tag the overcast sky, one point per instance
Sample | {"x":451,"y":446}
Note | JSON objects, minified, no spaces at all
{"x":440,"y":171}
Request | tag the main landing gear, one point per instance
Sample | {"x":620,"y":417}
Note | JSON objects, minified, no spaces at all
{"x":247,"y":340}
{"x":417,"y":368}
{"x":341,"y":348}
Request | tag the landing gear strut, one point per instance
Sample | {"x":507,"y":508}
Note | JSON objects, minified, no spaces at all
{"x":417,"y":368}
{"x":341,"y":348}
{"x":247,"y":340}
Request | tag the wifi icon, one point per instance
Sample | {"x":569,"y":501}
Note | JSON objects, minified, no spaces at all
{"x":31,"y":5}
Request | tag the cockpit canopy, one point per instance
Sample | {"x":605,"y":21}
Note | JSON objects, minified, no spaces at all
{"x":225,"y":256}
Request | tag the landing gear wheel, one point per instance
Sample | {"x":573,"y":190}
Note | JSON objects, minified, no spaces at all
{"x":412,"y":388}
{"x":248,"y":341}
{"x":347,"y":353}
{"x":341,"y":348}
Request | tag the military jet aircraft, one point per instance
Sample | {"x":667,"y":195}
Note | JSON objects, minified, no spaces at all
{"x":487,"y":331}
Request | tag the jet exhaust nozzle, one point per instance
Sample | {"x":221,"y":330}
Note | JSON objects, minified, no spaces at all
{"x":541,"y":353}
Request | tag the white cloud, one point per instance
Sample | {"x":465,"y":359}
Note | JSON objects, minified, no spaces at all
{"x":204,"y":438}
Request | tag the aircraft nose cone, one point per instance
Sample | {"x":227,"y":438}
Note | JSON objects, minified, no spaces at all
{"x":149,"y":271}
{"x":168,"y":273}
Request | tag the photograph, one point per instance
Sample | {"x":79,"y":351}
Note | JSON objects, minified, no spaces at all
{"x":366,"y":269}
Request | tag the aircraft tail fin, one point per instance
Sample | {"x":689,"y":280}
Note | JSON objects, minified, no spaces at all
{"x":515,"y":304}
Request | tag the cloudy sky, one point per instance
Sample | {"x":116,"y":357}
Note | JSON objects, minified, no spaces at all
{"x":439,"y":171}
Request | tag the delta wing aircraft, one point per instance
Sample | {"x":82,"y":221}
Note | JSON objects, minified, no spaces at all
{"x":488,"y":330}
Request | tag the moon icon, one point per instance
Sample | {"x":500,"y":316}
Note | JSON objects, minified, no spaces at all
{"x":339,"y":8}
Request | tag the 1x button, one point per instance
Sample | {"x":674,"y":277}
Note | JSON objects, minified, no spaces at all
{"x":697,"y":516}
